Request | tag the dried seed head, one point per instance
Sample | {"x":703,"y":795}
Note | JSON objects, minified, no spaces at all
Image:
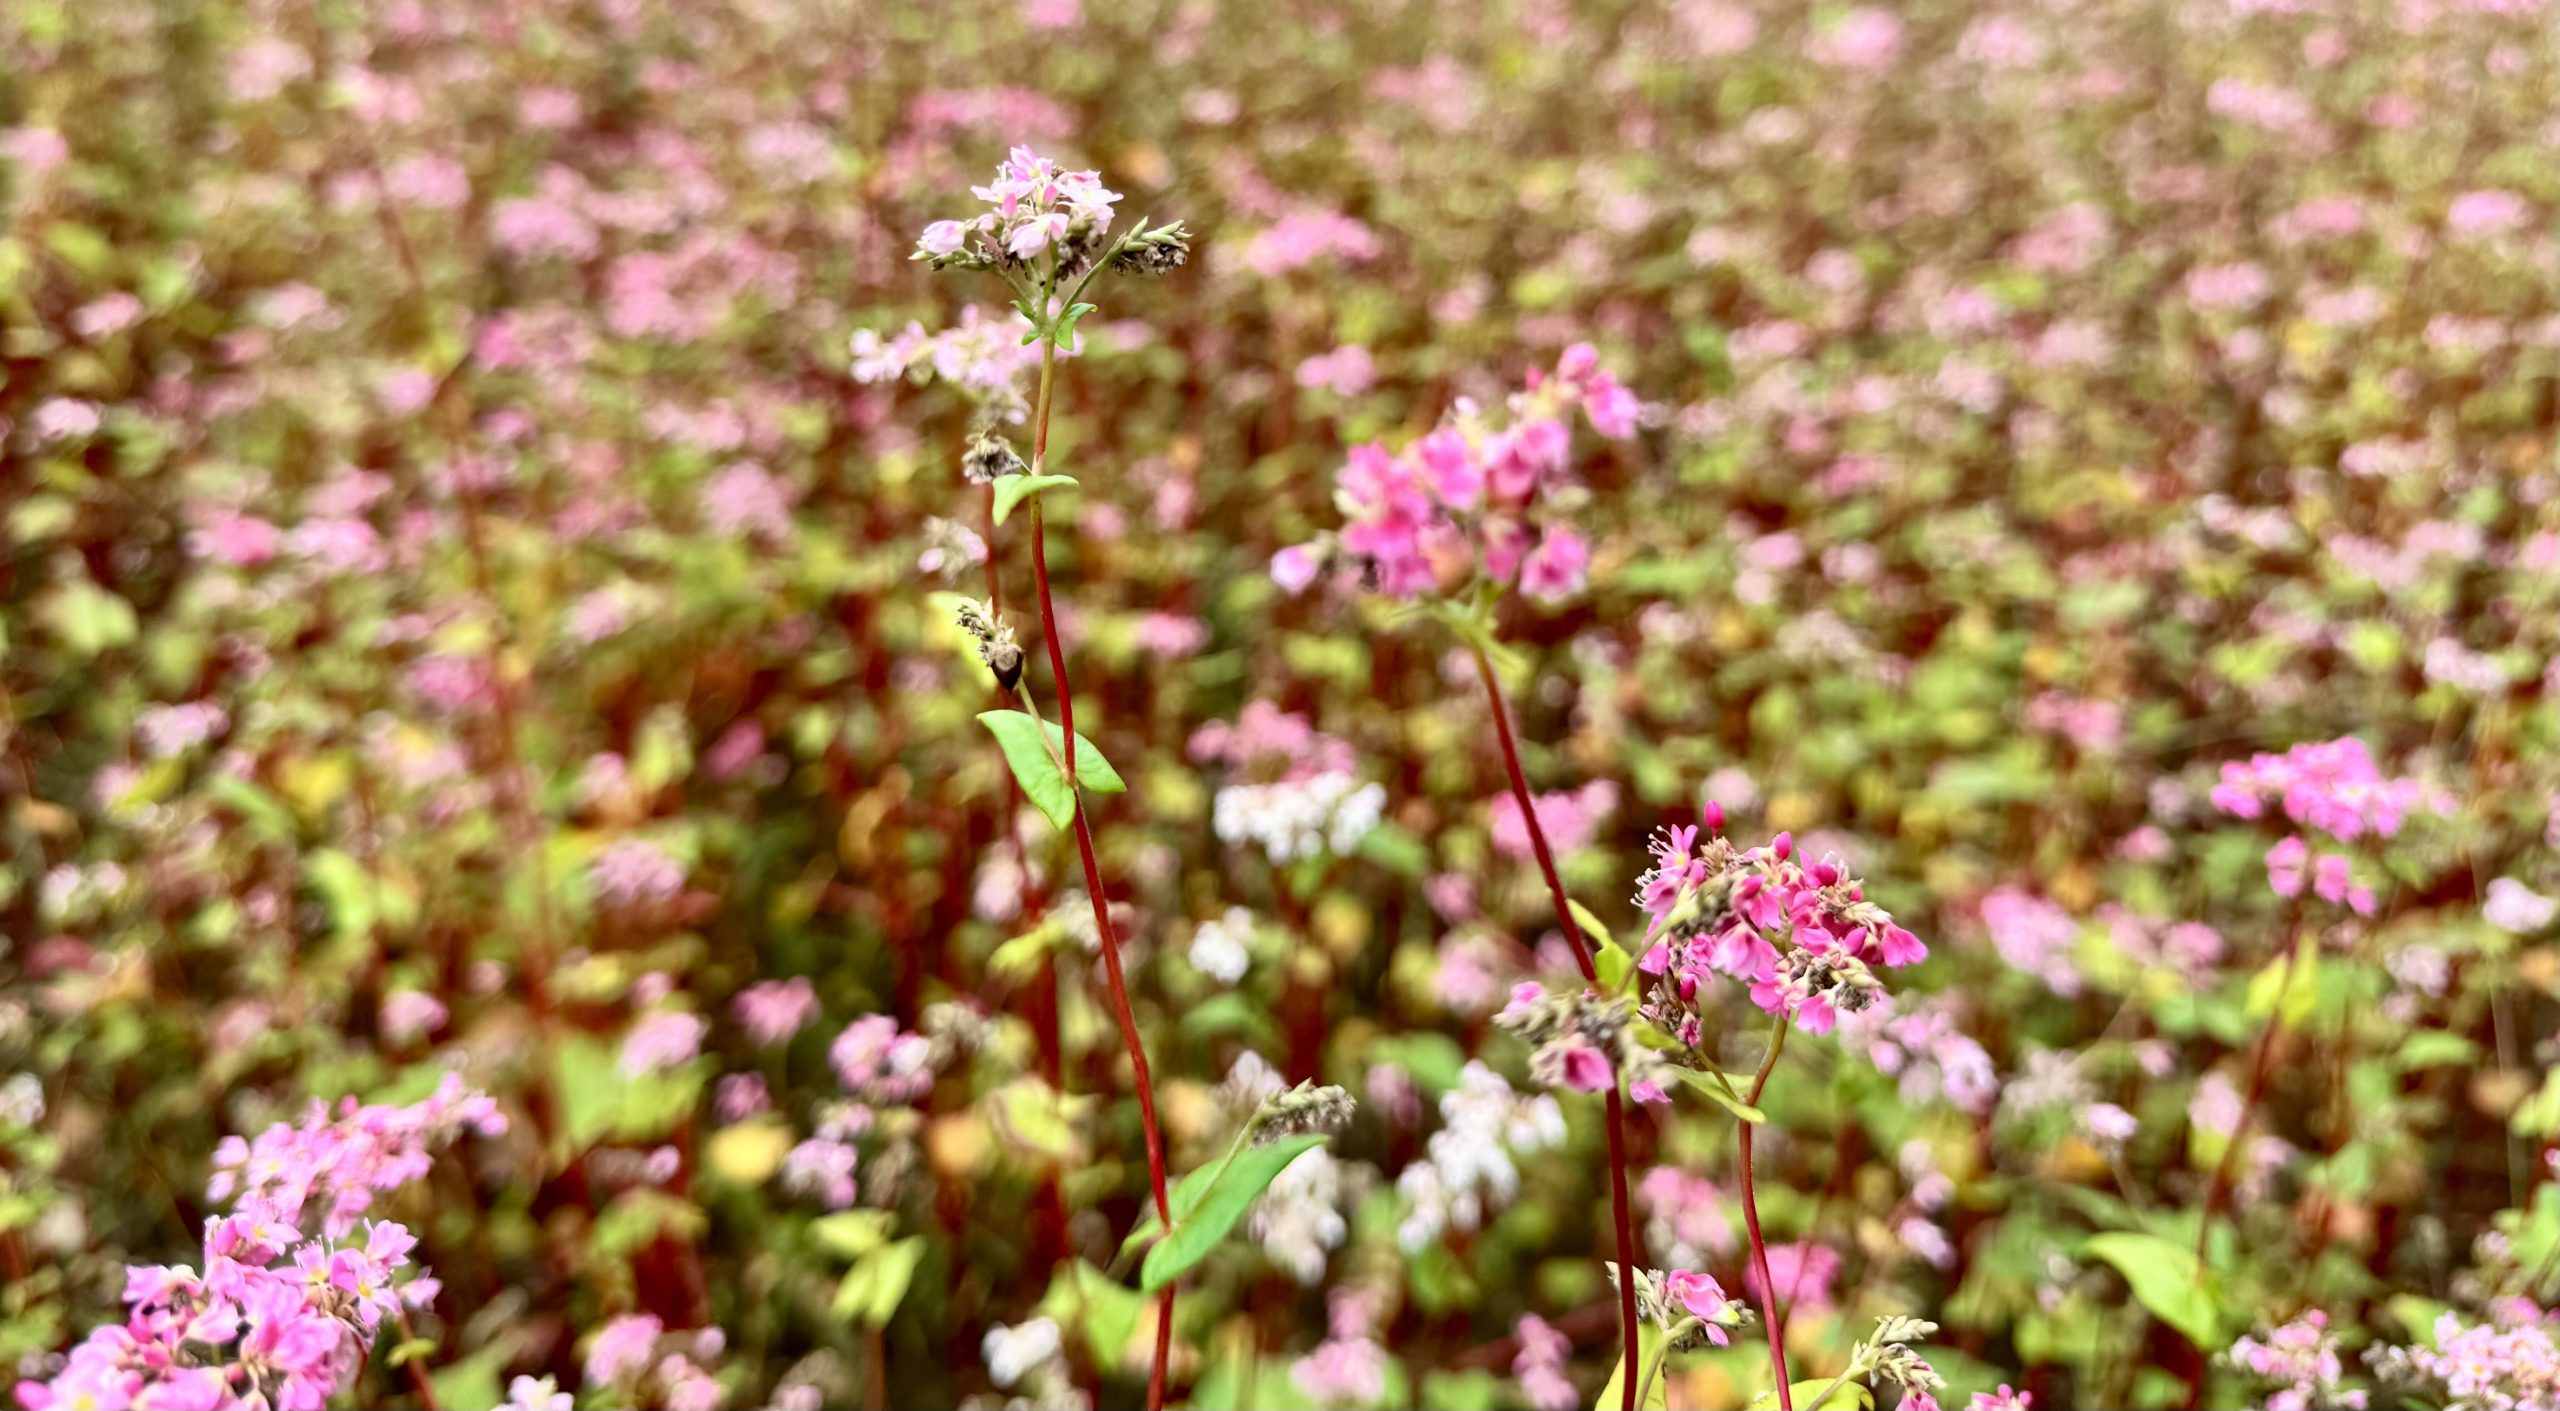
{"x":996,"y":646}
{"x":1304,"y":1108}
{"x":989,"y":458}
{"x":1158,"y":251}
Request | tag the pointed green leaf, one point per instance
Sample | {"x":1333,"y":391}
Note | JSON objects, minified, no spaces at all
{"x":2290,"y":987}
{"x":877,"y":1283}
{"x":1215,"y":1210}
{"x":1035,"y":764}
{"x":1597,"y":928}
{"x":1716,"y":1086}
{"x":1012,"y":490}
{"x":2165,"y":1279}
{"x":1656,"y":1397}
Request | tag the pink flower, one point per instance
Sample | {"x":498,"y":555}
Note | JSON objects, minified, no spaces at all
{"x":1294,"y":568}
{"x":1704,"y":1298}
{"x":622,"y":1349}
{"x":1555,"y":569}
{"x":772,"y":1011}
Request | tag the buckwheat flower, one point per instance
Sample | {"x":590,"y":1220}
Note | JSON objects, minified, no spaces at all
{"x":822,"y":1167}
{"x":1704,"y":1299}
{"x":1298,"y":1222}
{"x":2513,"y":907}
{"x":622,"y":1349}
{"x":1862,"y":39}
{"x":2002,"y":1400}
{"x":1295,"y":568}
{"x":410,"y":1014}
{"x":772,"y":1011}
{"x":2487,"y":212}
{"x":1218,"y":947}
{"x":1803,"y":1273}
{"x":1554,"y":570}
{"x":1569,"y":819}
{"x":879,"y":1063}
{"x":1350,"y":1365}
{"x":2033,"y":935}
{"x":2107,"y":1124}
{"x":664,"y":1039}
{"x":1540,"y":1366}
{"x":64,"y":419}
{"x":2302,"y":1355}
{"x":537,"y":1394}
{"x":1012,"y":1352}
{"x":739,"y":1096}
{"x":635,"y":872}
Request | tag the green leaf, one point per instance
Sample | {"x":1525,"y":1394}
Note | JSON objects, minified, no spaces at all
{"x":2296,"y":991}
{"x":1597,"y":928}
{"x":1034,"y":757}
{"x":1018,"y":957}
{"x":851,"y":1234}
{"x":1203,"y":1215}
{"x":1082,"y":1297}
{"x":2165,"y":1279}
{"x":1656,"y":1397}
{"x":1012,"y":490}
{"x":2434,"y":1048}
{"x":1714,"y":1086}
{"x":473,"y":1381}
{"x":877,"y":1283}
{"x":1611,"y":964}
{"x":1064,"y":335}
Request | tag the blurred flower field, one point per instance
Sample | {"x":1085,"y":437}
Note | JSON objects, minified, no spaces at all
{"x":1335,"y":703}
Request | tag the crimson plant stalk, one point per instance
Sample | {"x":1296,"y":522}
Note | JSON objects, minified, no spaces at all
{"x":1617,"y":1115}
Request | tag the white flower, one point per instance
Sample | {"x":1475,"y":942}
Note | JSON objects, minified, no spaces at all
{"x":1012,"y":1352}
{"x":2512,"y":906}
{"x":1298,"y":1220}
{"x":1218,"y":948}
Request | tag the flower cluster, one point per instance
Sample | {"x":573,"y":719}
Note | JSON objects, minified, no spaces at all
{"x":984,"y":356}
{"x":880,"y":1066}
{"x":1691,"y":1308}
{"x":328,"y":1169}
{"x":1469,"y":1160}
{"x":1804,"y":937}
{"x":2334,"y":788}
{"x":2303,"y":1357}
{"x":638,"y":1360}
{"x":1473,"y":496}
{"x":1033,"y":208}
{"x":279,"y":1316}
{"x":1888,"y":1359}
{"x":2509,"y":1363}
{"x":1540,"y":1366}
{"x":1584,"y":1041}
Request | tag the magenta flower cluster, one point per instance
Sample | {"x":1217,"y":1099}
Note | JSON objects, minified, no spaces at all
{"x":1473,"y":496}
{"x":1803,"y":936}
{"x":2332,"y":787}
{"x":288,"y":1300}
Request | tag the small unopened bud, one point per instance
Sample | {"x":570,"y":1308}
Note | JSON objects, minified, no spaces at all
{"x":1304,"y":1108}
{"x":989,"y":458}
{"x":994,"y":639}
{"x":1158,"y":251}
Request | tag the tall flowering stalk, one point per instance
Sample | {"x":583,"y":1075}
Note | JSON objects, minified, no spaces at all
{"x":1048,"y":234}
{"x":1803,"y":938}
{"x":1459,"y":517}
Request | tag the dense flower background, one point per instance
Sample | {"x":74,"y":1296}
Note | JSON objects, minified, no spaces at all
{"x":505,"y":896}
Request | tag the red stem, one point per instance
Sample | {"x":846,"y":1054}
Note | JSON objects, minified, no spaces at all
{"x":1102,"y":921}
{"x":1769,"y":1310}
{"x":1617,"y":1115}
